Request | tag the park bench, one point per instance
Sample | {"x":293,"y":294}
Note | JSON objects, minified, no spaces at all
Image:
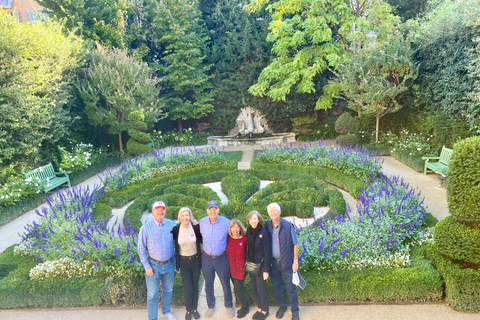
{"x":441,"y":166}
{"x":47,"y":175}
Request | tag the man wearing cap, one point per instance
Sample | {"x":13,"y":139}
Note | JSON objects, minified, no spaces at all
{"x":155,"y":248}
{"x":284,"y":260}
{"x":214,"y":230}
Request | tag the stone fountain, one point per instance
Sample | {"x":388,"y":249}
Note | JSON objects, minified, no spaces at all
{"x":251,"y":128}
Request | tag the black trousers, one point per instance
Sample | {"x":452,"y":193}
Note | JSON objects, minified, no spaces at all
{"x":239,"y":292}
{"x":259,"y":287}
{"x":190,"y":271}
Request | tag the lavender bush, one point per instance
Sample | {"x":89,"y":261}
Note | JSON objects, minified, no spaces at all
{"x":357,"y":162}
{"x":390,"y":220}
{"x":70,"y":242}
{"x":161,"y":162}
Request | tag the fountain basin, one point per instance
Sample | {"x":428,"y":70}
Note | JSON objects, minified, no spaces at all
{"x":232,"y":141}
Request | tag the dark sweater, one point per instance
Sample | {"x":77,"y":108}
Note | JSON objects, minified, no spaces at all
{"x":262,"y":250}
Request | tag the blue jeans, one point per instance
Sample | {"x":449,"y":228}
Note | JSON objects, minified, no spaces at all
{"x":220,"y":266}
{"x":164,"y":273}
{"x":277,"y":275}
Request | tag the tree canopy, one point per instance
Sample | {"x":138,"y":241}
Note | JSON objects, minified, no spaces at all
{"x":37,"y":62}
{"x":116,"y":85}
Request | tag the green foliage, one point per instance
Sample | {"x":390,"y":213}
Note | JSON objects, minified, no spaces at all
{"x":457,"y":241}
{"x":345,"y":124}
{"x":37,"y":66}
{"x":464,"y":181}
{"x":446,"y":131}
{"x":304,"y":43}
{"x":239,"y":51}
{"x":334,"y":177}
{"x":447,"y":49}
{"x":115,"y":86}
{"x":408,"y":9}
{"x":462,"y":285}
{"x":421,"y":282}
{"x":347,"y":139}
{"x":91,"y":19}
{"x":240,"y":186}
{"x":102,"y":211}
{"x":138,"y":137}
{"x":186,"y":84}
{"x":306,"y":127}
{"x":374,"y":79}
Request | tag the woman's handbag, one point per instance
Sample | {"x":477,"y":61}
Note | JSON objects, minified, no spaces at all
{"x":252,"y":268}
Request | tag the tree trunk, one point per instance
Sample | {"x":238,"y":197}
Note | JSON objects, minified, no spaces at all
{"x":377,"y":127}
{"x":180,"y":129}
{"x":120,"y":141}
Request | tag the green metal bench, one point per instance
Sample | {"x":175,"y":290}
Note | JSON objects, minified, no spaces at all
{"x":48,"y":175}
{"x":441,"y":166}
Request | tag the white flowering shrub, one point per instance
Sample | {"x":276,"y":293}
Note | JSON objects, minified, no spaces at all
{"x":16,"y":191}
{"x":78,"y":157}
{"x":415,"y":144}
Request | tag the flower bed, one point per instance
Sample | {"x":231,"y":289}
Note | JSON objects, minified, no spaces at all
{"x":384,"y":234}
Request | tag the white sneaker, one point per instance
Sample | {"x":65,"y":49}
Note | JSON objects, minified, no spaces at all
{"x":170,"y":316}
{"x":231,"y":312}
{"x":209,"y":312}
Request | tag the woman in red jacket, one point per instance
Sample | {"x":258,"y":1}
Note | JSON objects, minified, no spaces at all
{"x":236,"y":246}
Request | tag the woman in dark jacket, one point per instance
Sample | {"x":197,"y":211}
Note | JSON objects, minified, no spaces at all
{"x":187,"y":239}
{"x":259,"y":251}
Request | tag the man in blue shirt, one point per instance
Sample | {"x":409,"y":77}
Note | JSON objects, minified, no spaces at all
{"x":214,"y":230}
{"x":155,"y":248}
{"x":284,"y":260}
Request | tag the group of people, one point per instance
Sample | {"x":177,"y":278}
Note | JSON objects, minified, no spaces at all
{"x":222,"y":247}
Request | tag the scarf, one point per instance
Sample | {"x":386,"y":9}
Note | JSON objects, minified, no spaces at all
{"x":252,"y":233}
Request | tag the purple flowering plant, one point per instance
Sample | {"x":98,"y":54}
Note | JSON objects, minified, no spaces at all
{"x":390,"y":219}
{"x":67,"y":233}
{"x":161,"y":162}
{"x":355,"y":161}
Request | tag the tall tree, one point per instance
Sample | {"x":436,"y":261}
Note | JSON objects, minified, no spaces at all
{"x":101,"y":21}
{"x":374,"y":78}
{"x":186,"y":83}
{"x":116,"y":85}
{"x":37,"y":63}
{"x":239,"y":53}
{"x":310,"y":37}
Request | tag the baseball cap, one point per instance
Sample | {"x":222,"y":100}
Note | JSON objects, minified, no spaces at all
{"x":158,"y":204}
{"x":212,"y":203}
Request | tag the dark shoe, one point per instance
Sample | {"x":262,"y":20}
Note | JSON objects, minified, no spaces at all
{"x":255,"y":315}
{"x":295,"y":317}
{"x":281,"y":312}
{"x":188,"y":316}
{"x":262,"y":316}
{"x":195,"y":314}
{"x":242,"y":312}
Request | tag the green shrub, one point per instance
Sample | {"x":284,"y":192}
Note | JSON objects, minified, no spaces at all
{"x":462,"y":285}
{"x":420,"y":282}
{"x":120,"y":197}
{"x":463,"y":181}
{"x":345,"y":124}
{"x":102,"y":210}
{"x":347,"y":139}
{"x":457,"y":241}
{"x":416,"y":163}
{"x":240,"y":185}
{"x":334,"y":177}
